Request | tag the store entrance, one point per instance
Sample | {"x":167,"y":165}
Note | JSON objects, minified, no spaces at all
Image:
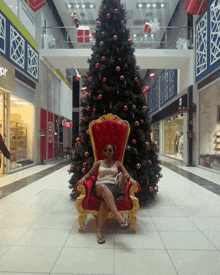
{"x":4,"y":131}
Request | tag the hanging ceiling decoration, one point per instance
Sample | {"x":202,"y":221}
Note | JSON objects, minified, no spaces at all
{"x":36,"y":5}
{"x":196,"y":7}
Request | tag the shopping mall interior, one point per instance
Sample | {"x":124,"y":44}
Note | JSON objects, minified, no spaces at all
{"x":53,"y":56}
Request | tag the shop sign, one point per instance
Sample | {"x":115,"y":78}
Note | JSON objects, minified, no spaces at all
{"x":3,"y":71}
{"x":180,"y":101}
{"x":67,"y":124}
{"x":182,"y":109}
{"x":50,"y":128}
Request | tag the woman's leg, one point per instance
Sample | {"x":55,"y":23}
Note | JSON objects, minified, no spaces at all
{"x":102,"y":190}
{"x":103,"y":215}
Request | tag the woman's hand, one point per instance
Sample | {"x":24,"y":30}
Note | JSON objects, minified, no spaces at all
{"x":82,"y":181}
{"x":133,"y":182}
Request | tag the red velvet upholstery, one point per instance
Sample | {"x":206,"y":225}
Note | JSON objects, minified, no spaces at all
{"x":109,"y":132}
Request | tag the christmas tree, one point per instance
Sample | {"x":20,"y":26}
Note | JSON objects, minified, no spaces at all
{"x":114,"y":86}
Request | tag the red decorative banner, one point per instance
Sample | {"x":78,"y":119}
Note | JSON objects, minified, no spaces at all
{"x":36,"y":5}
{"x":50,"y":135}
{"x":196,"y":7}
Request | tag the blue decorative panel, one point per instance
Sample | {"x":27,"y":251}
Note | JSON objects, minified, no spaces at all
{"x":215,"y":32}
{"x":201,"y":45}
{"x":153,"y":98}
{"x":168,"y":85}
{"x":32,"y":65}
{"x":208,"y":41}
{"x":16,"y":49}
{"x":2,"y":34}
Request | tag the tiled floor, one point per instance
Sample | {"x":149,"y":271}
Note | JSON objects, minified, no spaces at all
{"x":177,"y":233}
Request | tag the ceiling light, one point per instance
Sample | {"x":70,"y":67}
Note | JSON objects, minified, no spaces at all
{"x":69,"y":6}
{"x":91,"y":6}
{"x":140,"y":5}
{"x":21,"y":103}
{"x":148,"y":5}
{"x":154,"y":5}
{"x":162,"y":5}
{"x":77,"y":6}
{"x":13,"y":98}
{"x":83,"y":6}
{"x":145,"y":35}
{"x":135,"y":35}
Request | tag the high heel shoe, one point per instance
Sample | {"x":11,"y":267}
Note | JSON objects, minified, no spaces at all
{"x":124,"y":224}
{"x":101,"y":239}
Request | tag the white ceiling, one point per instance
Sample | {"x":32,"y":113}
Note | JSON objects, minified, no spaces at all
{"x":135,"y":16}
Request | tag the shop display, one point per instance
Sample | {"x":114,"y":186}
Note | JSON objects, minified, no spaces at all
{"x":18,"y":141}
{"x":218,"y":141}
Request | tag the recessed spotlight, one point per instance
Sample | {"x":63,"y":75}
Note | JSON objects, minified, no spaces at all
{"x":83,"y":6}
{"x":16,"y":8}
{"x":148,"y":5}
{"x":77,"y":6}
{"x":154,"y":5}
{"x":91,"y":6}
{"x":145,"y":35}
{"x":135,"y":35}
{"x":140,"y":5}
{"x":69,"y":6}
{"x":162,"y":5}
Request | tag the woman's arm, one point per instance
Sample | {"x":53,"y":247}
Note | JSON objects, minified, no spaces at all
{"x":126,"y":174}
{"x":92,"y":171}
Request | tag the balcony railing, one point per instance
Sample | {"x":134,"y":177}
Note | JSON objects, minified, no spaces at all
{"x":166,"y":38}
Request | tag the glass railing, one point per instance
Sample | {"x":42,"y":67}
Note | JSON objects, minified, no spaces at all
{"x":165,"y":38}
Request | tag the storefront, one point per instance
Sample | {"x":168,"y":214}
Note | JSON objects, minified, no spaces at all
{"x":173,"y":136}
{"x":209,"y":127}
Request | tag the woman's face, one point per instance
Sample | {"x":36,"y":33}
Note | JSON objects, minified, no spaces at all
{"x":108,"y":151}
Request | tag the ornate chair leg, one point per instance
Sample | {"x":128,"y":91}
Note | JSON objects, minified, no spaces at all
{"x":81,"y":220}
{"x":133,"y":221}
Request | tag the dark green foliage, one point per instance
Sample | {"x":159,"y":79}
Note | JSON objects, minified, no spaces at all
{"x":116,"y":94}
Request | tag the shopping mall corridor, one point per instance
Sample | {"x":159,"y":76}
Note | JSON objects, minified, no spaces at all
{"x":177,"y":233}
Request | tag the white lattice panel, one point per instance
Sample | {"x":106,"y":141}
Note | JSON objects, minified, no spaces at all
{"x":164,"y":86}
{"x":2,"y":33}
{"x":17,"y":47}
{"x":214,"y":32}
{"x":171,"y":83}
{"x":201,"y":45}
{"x":32,"y":66}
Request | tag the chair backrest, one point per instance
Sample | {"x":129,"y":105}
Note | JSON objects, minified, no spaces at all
{"x":109,"y":129}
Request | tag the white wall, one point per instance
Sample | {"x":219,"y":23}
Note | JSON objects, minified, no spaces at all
{"x":66,"y":99}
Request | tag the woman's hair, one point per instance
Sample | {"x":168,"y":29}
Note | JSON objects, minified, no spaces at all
{"x":114,"y":149}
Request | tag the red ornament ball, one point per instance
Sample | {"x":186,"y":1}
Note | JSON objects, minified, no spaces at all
{"x":86,"y":154}
{"x":84,"y":170}
{"x":116,"y":11}
{"x":71,"y":168}
{"x":129,"y":41}
{"x":101,"y":43}
{"x":82,"y":140}
{"x":151,"y":130}
{"x":142,"y":121}
{"x":115,"y":37}
{"x":122,"y":77}
{"x":94,"y":34}
{"x":149,"y":162}
{"x":87,"y":132}
{"x":87,"y":108}
{"x":137,"y":123}
{"x":147,"y":143}
{"x":90,"y":79}
{"x":134,"y":141}
{"x":84,"y":164}
{"x":136,"y":79}
{"x":100,"y":96}
{"x":103,"y":58}
{"x":134,"y":107}
{"x":159,"y":161}
{"x":117,"y":68}
{"x":97,"y":65}
{"x":150,"y":189}
{"x":160,"y":175}
{"x":138,"y":165}
{"x":119,"y":59}
{"x":104,"y":79}
{"x":123,"y":22}
{"x":125,"y":108}
{"x":108,"y":15}
{"x":144,"y":108}
{"x":129,"y":148}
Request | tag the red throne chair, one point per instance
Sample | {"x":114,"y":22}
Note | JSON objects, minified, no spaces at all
{"x":107,"y":129}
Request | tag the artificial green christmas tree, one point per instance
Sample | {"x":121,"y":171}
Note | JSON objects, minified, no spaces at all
{"x":114,"y":86}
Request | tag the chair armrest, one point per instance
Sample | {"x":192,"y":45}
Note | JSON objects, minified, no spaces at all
{"x":128,"y":187}
{"x":88,"y":186}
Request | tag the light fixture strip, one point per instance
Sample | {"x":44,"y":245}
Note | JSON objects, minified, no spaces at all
{"x":80,"y":6}
{"x":150,"y":5}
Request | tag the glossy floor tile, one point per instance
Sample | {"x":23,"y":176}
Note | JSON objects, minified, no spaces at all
{"x":177,"y":232}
